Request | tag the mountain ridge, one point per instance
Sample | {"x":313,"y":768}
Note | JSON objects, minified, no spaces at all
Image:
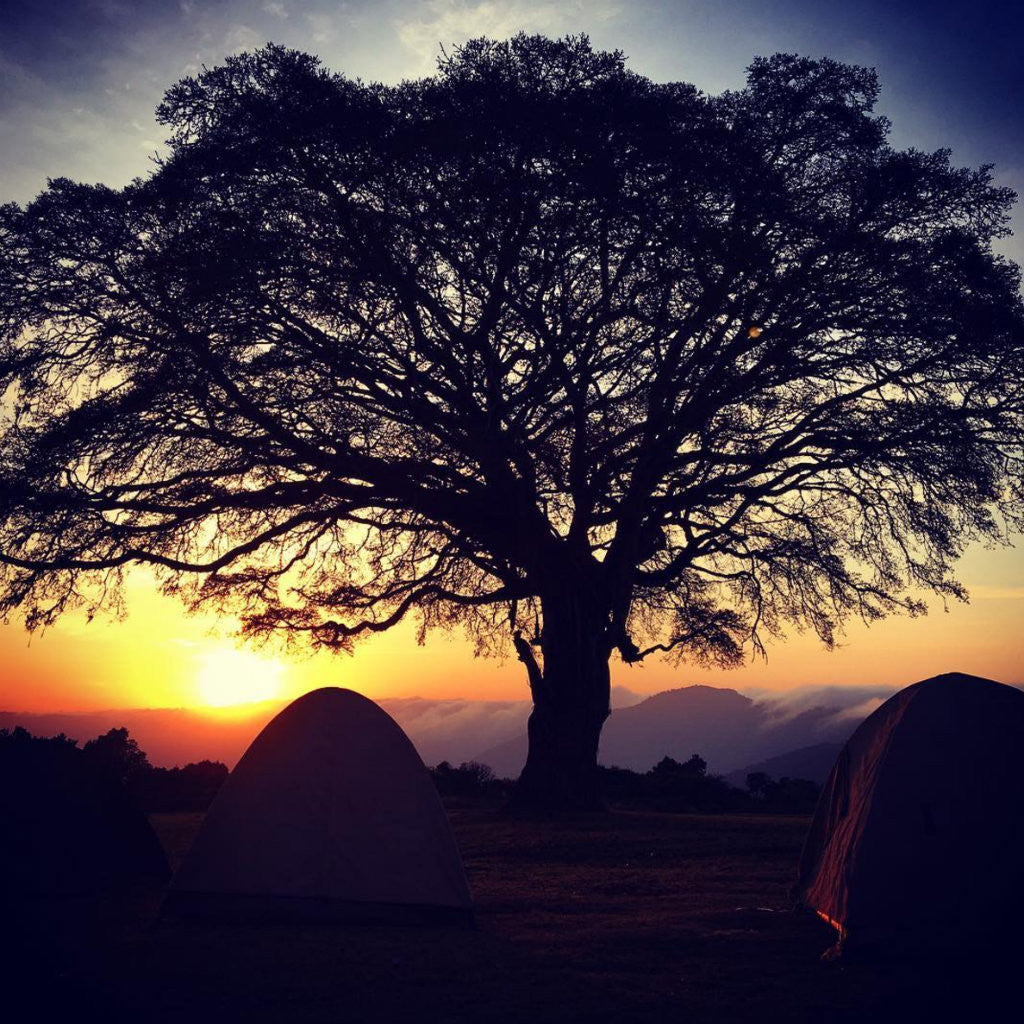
{"x":727,"y":728}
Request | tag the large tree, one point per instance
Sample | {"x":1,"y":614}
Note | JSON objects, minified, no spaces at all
{"x":584,"y":363}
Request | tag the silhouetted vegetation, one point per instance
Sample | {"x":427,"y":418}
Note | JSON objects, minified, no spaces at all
{"x":683,"y":787}
{"x":470,"y":782}
{"x":67,"y":823}
{"x":116,"y":753}
{"x":670,"y":786}
{"x":191,"y":788}
{"x":118,"y":756}
{"x":589,"y":364}
{"x":757,"y":782}
{"x":788,"y":796}
{"x":12,"y":739}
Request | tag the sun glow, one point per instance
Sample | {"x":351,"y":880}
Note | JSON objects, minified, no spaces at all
{"x":227,"y":676}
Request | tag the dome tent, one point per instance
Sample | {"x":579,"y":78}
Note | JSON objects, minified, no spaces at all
{"x":916,"y":842}
{"x":330,"y":815}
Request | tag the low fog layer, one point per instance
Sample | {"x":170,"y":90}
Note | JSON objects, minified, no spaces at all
{"x":730,"y":730}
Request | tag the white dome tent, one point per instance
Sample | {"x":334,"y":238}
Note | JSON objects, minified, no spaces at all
{"x":330,"y":815}
{"x":917,"y":840}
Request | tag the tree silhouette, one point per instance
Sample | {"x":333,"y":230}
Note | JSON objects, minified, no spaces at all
{"x":117,"y":754}
{"x":757,"y":783}
{"x":694,"y":766}
{"x":581,"y":362}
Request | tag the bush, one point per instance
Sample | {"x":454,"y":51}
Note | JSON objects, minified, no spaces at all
{"x":191,"y":788}
{"x":471,"y":781}
{"x":674,"y":786}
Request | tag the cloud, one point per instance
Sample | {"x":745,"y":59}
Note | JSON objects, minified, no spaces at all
{"x":323,"y":28}
{"x":62,"y":141}
{"x":456,"y":729}
{"x":847,"y":703}
{"x":858,"y":711}
{"x":454,"y":21}
{"x":241,"y":37}
{"x":849,"y":716}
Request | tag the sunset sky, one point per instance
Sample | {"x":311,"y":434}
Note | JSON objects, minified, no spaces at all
{"x":79,"y":80}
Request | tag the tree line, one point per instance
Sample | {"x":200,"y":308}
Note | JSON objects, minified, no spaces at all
{"x":670,"y":786}
{"x":117,"y":754}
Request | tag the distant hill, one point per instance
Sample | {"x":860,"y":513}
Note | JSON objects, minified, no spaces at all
{"x":728,"y":729}
{"x":814,"y":763}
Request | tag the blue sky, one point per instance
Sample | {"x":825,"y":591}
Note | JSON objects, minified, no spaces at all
{"x":79,"y":79}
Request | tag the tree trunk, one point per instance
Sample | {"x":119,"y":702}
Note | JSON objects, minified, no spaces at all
{"x":570,"y":704}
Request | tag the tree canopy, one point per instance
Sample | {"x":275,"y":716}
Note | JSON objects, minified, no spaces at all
{"x":581,"y":361}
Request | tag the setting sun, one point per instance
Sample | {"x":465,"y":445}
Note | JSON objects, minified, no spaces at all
{"x":228,"y":676}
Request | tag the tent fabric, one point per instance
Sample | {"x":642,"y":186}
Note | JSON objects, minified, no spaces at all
{"x":917,"y":838}
{"x":329,"y":815}
{"x":67,"y":828}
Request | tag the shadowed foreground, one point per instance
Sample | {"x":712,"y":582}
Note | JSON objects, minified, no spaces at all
{"x":632,"y":917}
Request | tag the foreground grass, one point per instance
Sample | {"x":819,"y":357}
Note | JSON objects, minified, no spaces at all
{"x":627,"y":918}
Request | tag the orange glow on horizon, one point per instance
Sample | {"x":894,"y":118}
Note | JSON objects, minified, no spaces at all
{"x":160,"y":657}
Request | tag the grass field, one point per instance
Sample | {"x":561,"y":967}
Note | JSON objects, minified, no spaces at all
{"x":627,"y":918}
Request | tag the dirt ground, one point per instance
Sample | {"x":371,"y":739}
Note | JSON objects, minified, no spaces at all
{"x":628,"y":917}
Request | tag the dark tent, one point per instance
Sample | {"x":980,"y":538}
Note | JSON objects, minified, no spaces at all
{"x":916,"y":844}
{"x":329,"y":816}
{"x":66,"y":827}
